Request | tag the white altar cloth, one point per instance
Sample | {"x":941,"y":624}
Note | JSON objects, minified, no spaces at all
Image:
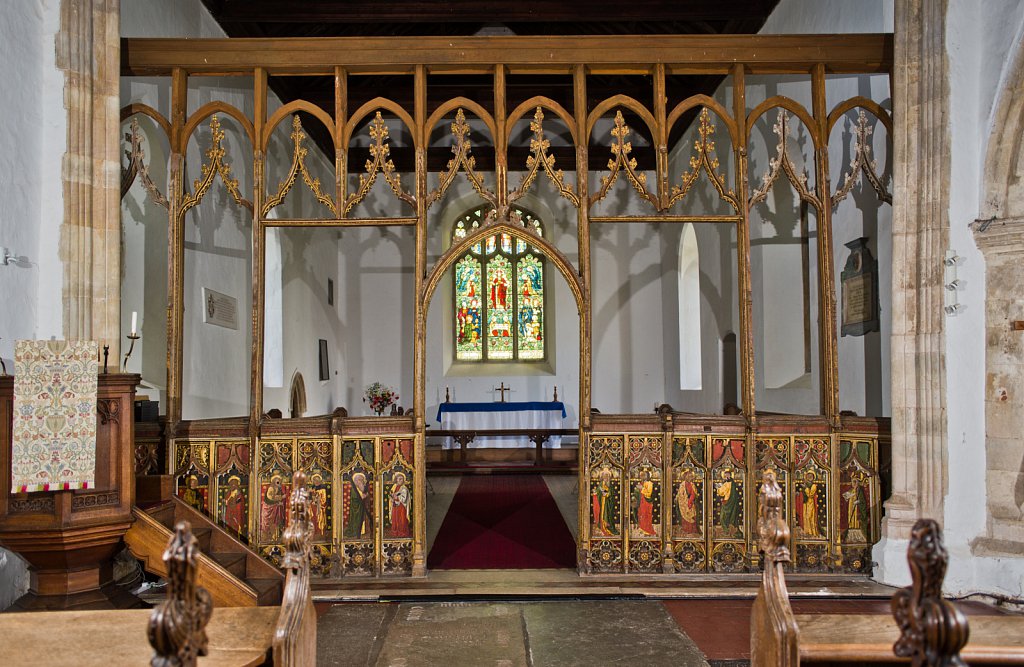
{"x":494,"y":416}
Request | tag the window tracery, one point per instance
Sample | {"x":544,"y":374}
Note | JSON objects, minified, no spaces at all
{"x":499,"y":294}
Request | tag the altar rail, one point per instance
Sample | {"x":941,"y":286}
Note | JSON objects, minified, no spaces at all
{"x":536,"y":435}
{"x":364,"y":476}
{"x":674,"y":493}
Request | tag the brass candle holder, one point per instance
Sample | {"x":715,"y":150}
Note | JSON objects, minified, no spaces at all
{"x":131,"y":347}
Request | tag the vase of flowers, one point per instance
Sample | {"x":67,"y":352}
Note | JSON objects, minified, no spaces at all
{"x":380,"y":397}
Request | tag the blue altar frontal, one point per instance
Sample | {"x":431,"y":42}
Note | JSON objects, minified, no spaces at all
{"x":517,"y":415}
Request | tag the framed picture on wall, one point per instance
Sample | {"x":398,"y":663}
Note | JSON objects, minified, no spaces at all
{"x":325,"y":366}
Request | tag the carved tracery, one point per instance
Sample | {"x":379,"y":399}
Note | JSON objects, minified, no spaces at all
{"x":540,"y":159}
{"x":703,"y":159}
{"x":210,"y":170}
{"x":622,"y":161}
{"x":463,"y":158}
{"x":380,"y":162}
{"x":137,"y":167}
{"x":782,"y":163}
{"x":862,"y":163}
{"x":299,"y":152}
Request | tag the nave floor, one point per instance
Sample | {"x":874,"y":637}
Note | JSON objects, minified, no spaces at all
{"x":555,"y":633}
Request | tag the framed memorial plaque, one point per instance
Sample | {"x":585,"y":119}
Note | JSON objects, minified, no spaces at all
{"x":860,"y":290}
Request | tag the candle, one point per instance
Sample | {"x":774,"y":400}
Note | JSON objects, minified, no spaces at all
{"x":135,"y":322}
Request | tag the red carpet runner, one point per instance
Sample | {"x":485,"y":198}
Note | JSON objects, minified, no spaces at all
{"x":503,"y":522}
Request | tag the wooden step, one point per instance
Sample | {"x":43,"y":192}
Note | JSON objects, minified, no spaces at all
{"x":268,"y":591}
{"x":163,"y":512}
{"x":233,"y":562}
{"x":233,"y":574}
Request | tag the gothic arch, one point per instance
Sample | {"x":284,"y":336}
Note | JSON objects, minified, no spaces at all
{"x":297,"y":396}
{"x":1003,"y":185}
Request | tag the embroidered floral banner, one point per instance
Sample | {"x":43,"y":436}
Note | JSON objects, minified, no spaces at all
{"x":54,"y":415}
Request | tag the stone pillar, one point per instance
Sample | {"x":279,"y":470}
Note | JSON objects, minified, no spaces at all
{"x":920,"y":237}
{"x":88,"y":51}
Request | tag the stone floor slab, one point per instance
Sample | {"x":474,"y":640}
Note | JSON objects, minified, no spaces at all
{"x":455,"y":633}
{"x":609,"y":632}
{"x":351,"y":634}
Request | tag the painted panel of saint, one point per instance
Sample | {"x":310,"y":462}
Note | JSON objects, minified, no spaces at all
{"x":605,"y":489}
{"x":468,"y":309}
{"x":398,"y":504}
{"x":688,"y":504}
{"x":194,"y":489}
{"x":320,"y":495}
{"x":728,"y":503}
{"x":854,"y":508}
{"x":499,"y":308}
{"x":809,"y":505}
{"x":274,"y":495}
{"x":645,"y":503}
{"x":357,"y":505}
{"x":233,"y":498}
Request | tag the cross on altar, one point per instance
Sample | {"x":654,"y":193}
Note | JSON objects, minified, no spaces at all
{"x":503,"y":389}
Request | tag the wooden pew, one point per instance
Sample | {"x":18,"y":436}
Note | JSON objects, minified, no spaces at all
{"x":185,"y":630}
{"x":925,"y":629}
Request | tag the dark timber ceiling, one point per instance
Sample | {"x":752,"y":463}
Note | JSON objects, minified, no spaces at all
{"x":412,"y":18}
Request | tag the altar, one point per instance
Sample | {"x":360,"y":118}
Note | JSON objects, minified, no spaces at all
{"x":510,"y":416}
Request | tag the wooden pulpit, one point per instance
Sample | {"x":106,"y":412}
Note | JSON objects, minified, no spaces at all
{"x":69,"y":538}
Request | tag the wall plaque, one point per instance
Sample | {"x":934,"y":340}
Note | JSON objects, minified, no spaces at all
{"x":860,"y":290}
{"x":220,"y":309}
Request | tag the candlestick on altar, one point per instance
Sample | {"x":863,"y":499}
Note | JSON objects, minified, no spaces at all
{"x":132,"y":337}
{"x":556,"y":394}
{"x":447,"y":396}
{"x":106,"y":354}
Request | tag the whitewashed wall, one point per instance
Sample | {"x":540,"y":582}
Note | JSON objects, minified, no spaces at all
{"x":32,"y":143}
{"x":979,"y":47}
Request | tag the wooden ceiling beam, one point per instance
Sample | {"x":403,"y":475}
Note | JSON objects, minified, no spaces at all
{"x":483,"y":11}
{"x":849,"y":53}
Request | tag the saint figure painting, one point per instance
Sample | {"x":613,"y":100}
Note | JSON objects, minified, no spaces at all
{"x":400,"y":500}
{"x":273,"y":510}
{"x":358,"y":517}
{"x":235,"y":506}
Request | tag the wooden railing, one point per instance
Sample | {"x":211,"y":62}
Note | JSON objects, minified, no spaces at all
{"x":538,"y":436}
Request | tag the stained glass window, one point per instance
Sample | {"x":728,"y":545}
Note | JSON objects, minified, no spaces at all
{"x":499,"y":294}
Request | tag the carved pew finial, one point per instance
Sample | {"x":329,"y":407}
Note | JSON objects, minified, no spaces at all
{"x":177,"y":628}
{"x":774,"y":637}
{"x":932,"y":629}
{"x":772,"y":529}
{"x":295,"y":634}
